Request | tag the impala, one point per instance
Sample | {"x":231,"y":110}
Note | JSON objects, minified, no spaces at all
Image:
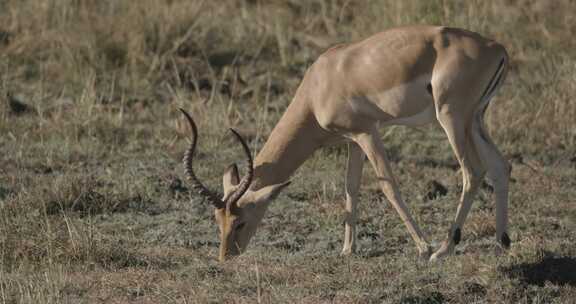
{"x":403,"y":76}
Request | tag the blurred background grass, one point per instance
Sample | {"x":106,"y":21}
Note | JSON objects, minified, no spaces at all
{"x":121,"y":52}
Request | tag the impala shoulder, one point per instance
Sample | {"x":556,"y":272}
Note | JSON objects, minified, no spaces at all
{"x":334,"y":57}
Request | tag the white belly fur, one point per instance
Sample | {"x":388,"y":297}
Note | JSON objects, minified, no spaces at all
{"x":409,"y":104}
{"x":423,"y":118}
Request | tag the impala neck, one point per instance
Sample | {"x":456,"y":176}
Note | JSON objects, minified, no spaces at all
{"x":294,"y":138}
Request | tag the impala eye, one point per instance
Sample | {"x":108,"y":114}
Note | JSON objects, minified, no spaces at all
{"x":240,"y":226}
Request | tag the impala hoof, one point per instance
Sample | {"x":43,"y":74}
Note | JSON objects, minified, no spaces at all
{"x":346,"y":252}
{"x":444,"y":251}
{"x":424,"y":254}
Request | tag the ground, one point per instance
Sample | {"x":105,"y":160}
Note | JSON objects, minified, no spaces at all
{"x":94,"y":206}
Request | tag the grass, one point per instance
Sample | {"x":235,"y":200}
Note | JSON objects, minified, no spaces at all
{"x":93,"y":206}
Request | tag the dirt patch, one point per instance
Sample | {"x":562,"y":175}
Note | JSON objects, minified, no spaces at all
{"x":474,"y":289}
{"x":5,"y":38}
{"x":17,"y":106}
{"x":434,"y":190}
{"x":4,"y":192}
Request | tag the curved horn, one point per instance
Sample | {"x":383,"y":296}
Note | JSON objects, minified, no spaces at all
{"x":187,"y":160}
{"x":246,"y":180}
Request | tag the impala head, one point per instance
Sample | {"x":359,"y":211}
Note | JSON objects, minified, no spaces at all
{"x":240,"y":211}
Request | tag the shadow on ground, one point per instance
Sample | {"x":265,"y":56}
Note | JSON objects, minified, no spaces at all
{"x":556,"y":270}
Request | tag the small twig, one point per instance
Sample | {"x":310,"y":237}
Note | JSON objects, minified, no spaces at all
{"x":258,"y":289}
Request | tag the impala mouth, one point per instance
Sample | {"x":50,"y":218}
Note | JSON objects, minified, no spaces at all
{"x":231,"y":253}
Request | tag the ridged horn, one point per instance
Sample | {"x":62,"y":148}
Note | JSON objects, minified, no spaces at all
{"x":187,"y":160}
{"x":246,"y":180}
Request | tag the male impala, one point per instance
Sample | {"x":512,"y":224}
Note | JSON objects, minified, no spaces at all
{"x":403,"y":76}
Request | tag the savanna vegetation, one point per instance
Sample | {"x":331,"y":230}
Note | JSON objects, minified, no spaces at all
{"x":94,"y":207}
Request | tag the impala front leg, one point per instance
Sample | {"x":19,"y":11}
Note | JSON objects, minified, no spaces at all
{"x":372,"y":145}
{"x":353,"y":177}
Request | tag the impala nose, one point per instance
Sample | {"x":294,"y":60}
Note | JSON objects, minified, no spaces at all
{"x":229,"y":252}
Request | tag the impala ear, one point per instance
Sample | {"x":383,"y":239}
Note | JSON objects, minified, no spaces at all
{"x":269,"y":193}
{"x":230,"y":178}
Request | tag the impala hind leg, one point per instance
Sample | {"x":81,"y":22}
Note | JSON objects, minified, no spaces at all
{"x":372,"y":145}
{"x":499,"y":173}
{"x":458,"y":129}
{"x":353,"y":177}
